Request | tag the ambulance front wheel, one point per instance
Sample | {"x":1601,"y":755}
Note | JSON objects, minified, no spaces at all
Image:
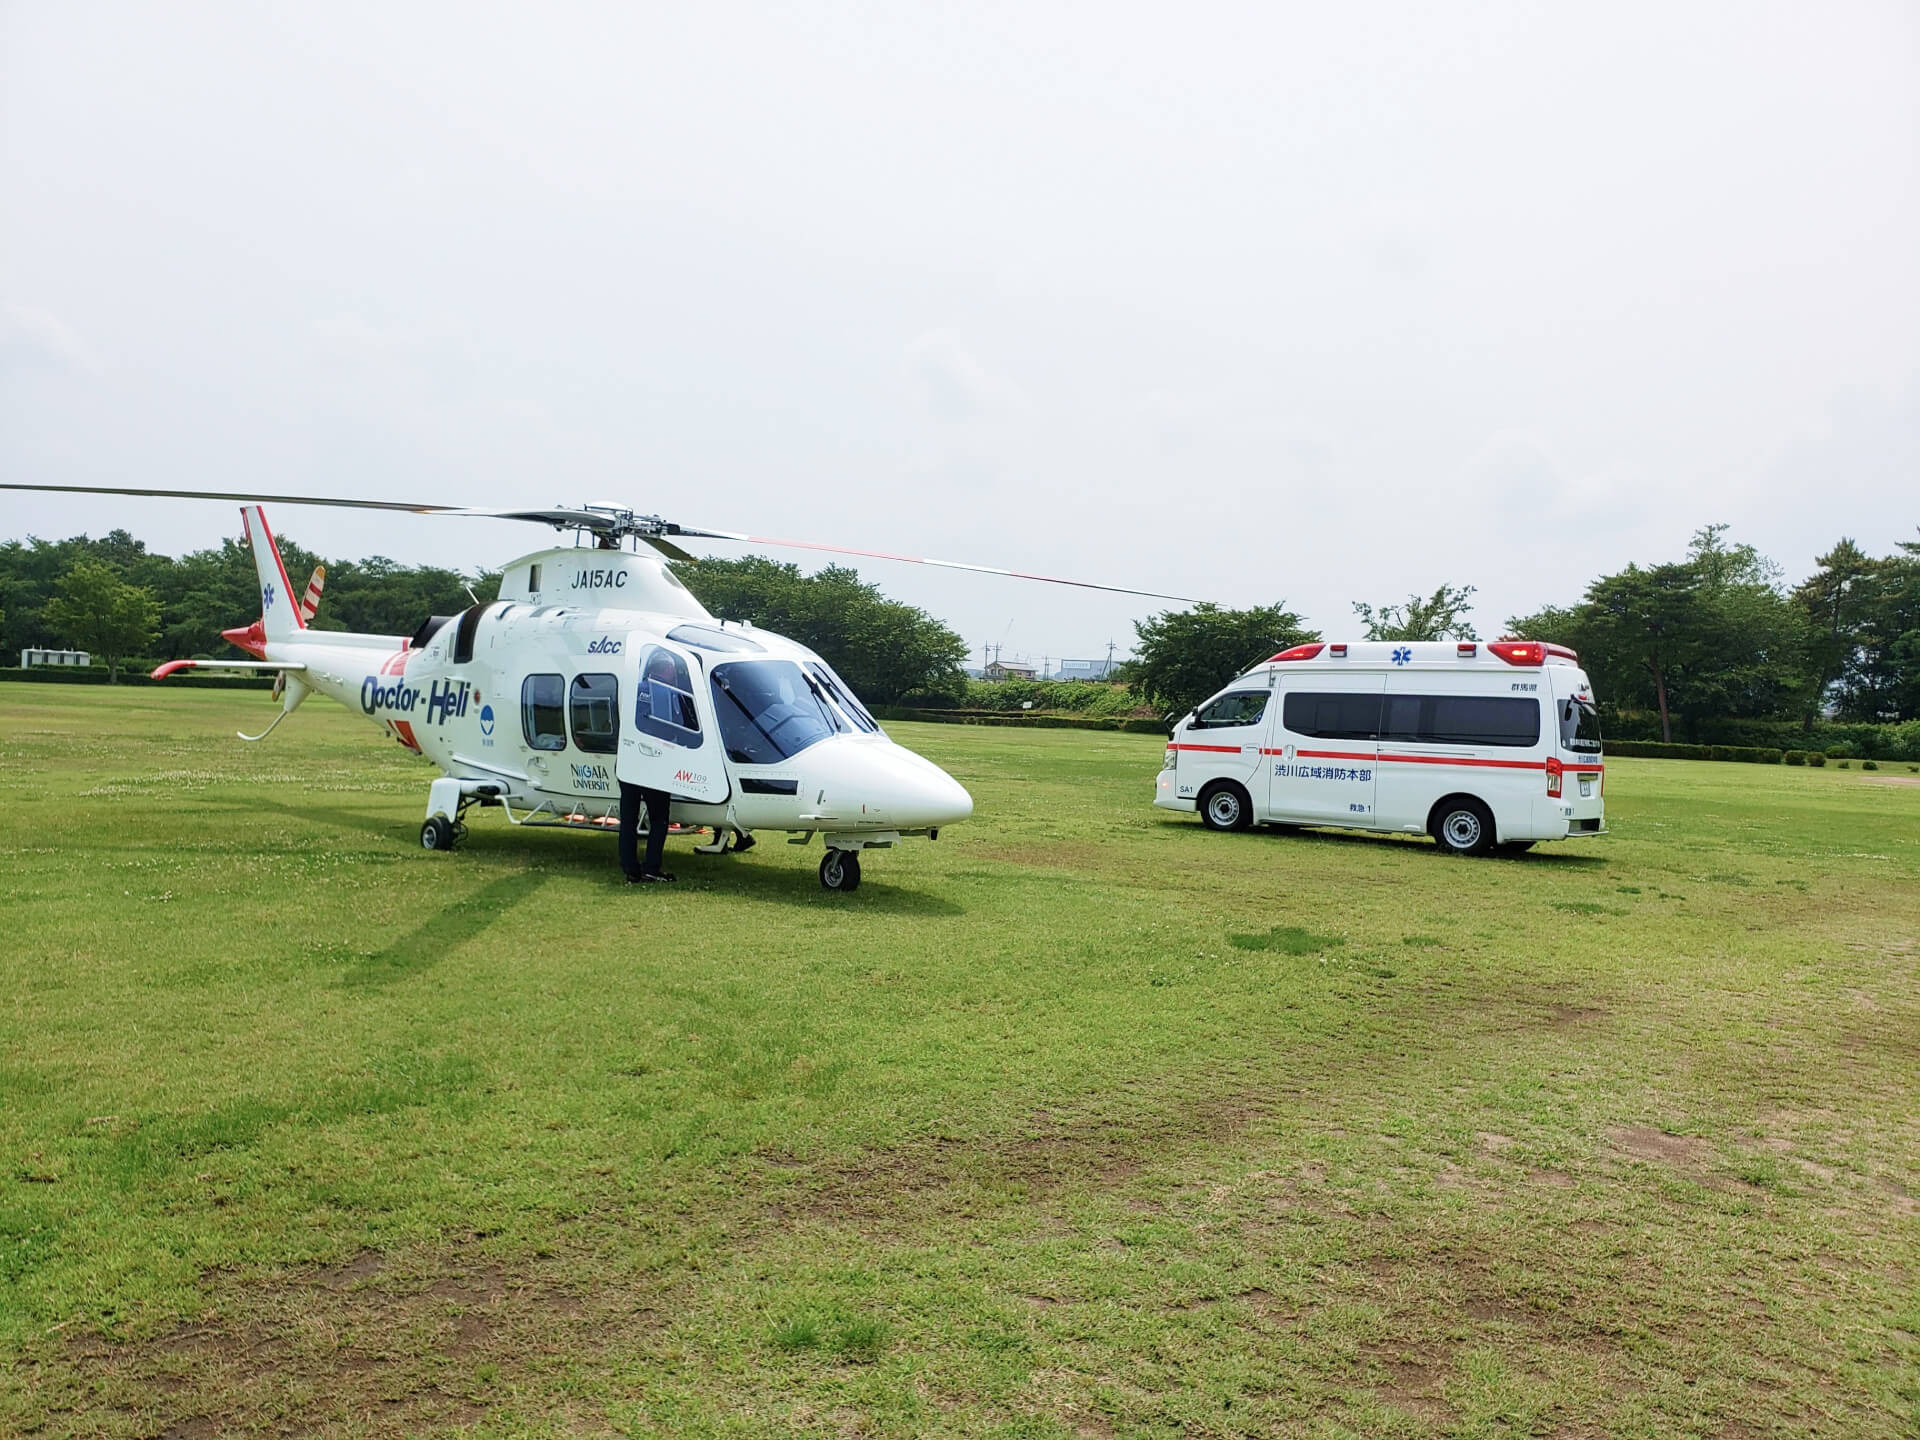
{"x":1225,"y":806}
{"x":840,"y":870}
{"x":437,"y":834}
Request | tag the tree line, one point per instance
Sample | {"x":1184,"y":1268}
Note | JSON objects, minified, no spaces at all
{"x":1711,"y":647}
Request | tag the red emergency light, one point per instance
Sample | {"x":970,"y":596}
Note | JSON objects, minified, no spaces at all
{"x":1520,"y":652}
{"x":1298,"y":652}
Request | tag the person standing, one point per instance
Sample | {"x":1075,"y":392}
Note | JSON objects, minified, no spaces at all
{"x":647,"y":871}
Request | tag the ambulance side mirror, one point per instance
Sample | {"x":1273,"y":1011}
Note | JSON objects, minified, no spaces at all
{"x":1175,"y":720}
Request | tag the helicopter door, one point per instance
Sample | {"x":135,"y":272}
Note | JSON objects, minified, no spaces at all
{"x":672,"y":744}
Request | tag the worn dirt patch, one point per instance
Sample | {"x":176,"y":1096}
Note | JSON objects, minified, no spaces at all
{"x":1643,"y":1142}
{"x":1416,"y":1379}
{"x":1568,"y":1017}
{"x":1890,"y":779}
{"x":384,"y":1344}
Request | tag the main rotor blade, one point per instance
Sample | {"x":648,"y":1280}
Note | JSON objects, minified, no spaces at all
{"x":690,"y":533}
{"x":560,"y":517}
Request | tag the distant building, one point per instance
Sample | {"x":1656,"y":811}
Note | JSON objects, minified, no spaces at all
{"x":1086,"y":669}
{"x":1000,"y":670}
{"x":55,"y":657}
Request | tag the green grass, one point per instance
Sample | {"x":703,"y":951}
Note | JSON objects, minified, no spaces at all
{"x":1082,"y":1120}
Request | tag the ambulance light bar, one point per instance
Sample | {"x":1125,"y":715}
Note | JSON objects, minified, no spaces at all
{"x":1465,"y":649}
{"x":1338,"y":652}
{"x":1298,"y":652}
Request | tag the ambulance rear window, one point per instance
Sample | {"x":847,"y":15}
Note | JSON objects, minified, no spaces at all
{"x":1462,"y":720}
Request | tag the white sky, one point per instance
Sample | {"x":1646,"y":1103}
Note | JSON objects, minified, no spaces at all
{"x":1309,"y":302}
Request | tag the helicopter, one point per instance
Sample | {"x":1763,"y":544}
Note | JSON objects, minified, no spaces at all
{"x":595,"y":667}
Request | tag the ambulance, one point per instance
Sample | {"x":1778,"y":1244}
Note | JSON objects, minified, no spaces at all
{"x":1483,"y":746}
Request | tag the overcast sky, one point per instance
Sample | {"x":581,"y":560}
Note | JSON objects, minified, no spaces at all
{"x":1252,"y":303}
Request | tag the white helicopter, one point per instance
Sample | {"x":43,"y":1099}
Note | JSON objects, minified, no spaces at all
{"x":596,"y":666}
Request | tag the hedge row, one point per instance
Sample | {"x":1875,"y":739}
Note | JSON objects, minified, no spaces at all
{"x":1654,"y":749}
{"x":1023,"y":719}
{"x":1898,"y":740}
{"x":97,"y":675}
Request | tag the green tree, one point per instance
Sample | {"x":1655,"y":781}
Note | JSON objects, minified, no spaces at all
{"x":1183,"y":656}
{"x":1440,"y":616}
{"x":99,"y":612}
{"x":1708,"y":637}
{"x":881,"y":647}
{"x":1839,"y":601}
{"x":1885,"y":683}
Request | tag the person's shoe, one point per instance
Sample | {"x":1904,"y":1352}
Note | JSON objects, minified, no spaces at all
{"x":655,"y":878}
{"x":743,"y":843}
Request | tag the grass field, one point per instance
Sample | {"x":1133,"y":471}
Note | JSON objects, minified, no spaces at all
{"x":1080,"y":1121}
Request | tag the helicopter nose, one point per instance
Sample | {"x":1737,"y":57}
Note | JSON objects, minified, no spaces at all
{"x":888,"y":785}
{"x":927,"y":794}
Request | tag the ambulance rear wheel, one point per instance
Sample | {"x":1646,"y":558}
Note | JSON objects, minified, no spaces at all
{"x":1225,"y":806}
{"x":840,"y":870}
{"x":1463,"y":826}
{"x":437,"y":834}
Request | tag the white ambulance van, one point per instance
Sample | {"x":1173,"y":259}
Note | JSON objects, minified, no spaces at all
{"x":1481,"y":745}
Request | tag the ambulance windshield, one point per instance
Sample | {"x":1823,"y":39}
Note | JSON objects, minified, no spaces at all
{"x":770,"y":710}
{"x":1579,"y":726}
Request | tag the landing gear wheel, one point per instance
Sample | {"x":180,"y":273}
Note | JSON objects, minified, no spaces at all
{"x":840,"y":870}
{"x":1224,"y":806}
{"x":1463,"y":827}
{"x":437,"y":834}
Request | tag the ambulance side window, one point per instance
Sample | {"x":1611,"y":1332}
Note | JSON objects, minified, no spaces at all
{"x":1333,"y":716}
{"x":595,"y":703}
{"x":1242,"y":707}
{"x":542,"y":719}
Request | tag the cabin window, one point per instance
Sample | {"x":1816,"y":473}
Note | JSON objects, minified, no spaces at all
{"x":663,"y":706}
{"x":594,"y":701}
{"x":1242,"y":707}
{"x":542,"y":715}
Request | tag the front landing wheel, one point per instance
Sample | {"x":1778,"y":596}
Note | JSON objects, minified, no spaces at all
{"x":840,"y":870}
{"x":437,"y":834}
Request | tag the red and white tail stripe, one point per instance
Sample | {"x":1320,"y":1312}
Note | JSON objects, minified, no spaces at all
{"x":310,"y":602}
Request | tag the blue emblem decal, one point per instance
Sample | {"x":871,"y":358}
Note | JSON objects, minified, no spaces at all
{"x":266,"y":598}
{"x":1402,"y":655}
{"x":486,"y":719}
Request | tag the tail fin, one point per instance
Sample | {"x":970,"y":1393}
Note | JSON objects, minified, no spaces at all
{"x":279,"y":604}
{"x":310,"y":602}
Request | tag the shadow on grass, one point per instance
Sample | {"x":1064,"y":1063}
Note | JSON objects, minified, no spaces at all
{"x":422,"y":947}
{"x":779,"y":879}
{"x":1300,"y":834}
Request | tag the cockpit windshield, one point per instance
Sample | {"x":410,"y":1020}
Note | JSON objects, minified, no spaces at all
{"x":1579,"y":726}
{"x":770,"y":710}
{"x":837,"y":691}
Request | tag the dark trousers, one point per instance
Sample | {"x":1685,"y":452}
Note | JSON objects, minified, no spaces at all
{"x":631,"y":798}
